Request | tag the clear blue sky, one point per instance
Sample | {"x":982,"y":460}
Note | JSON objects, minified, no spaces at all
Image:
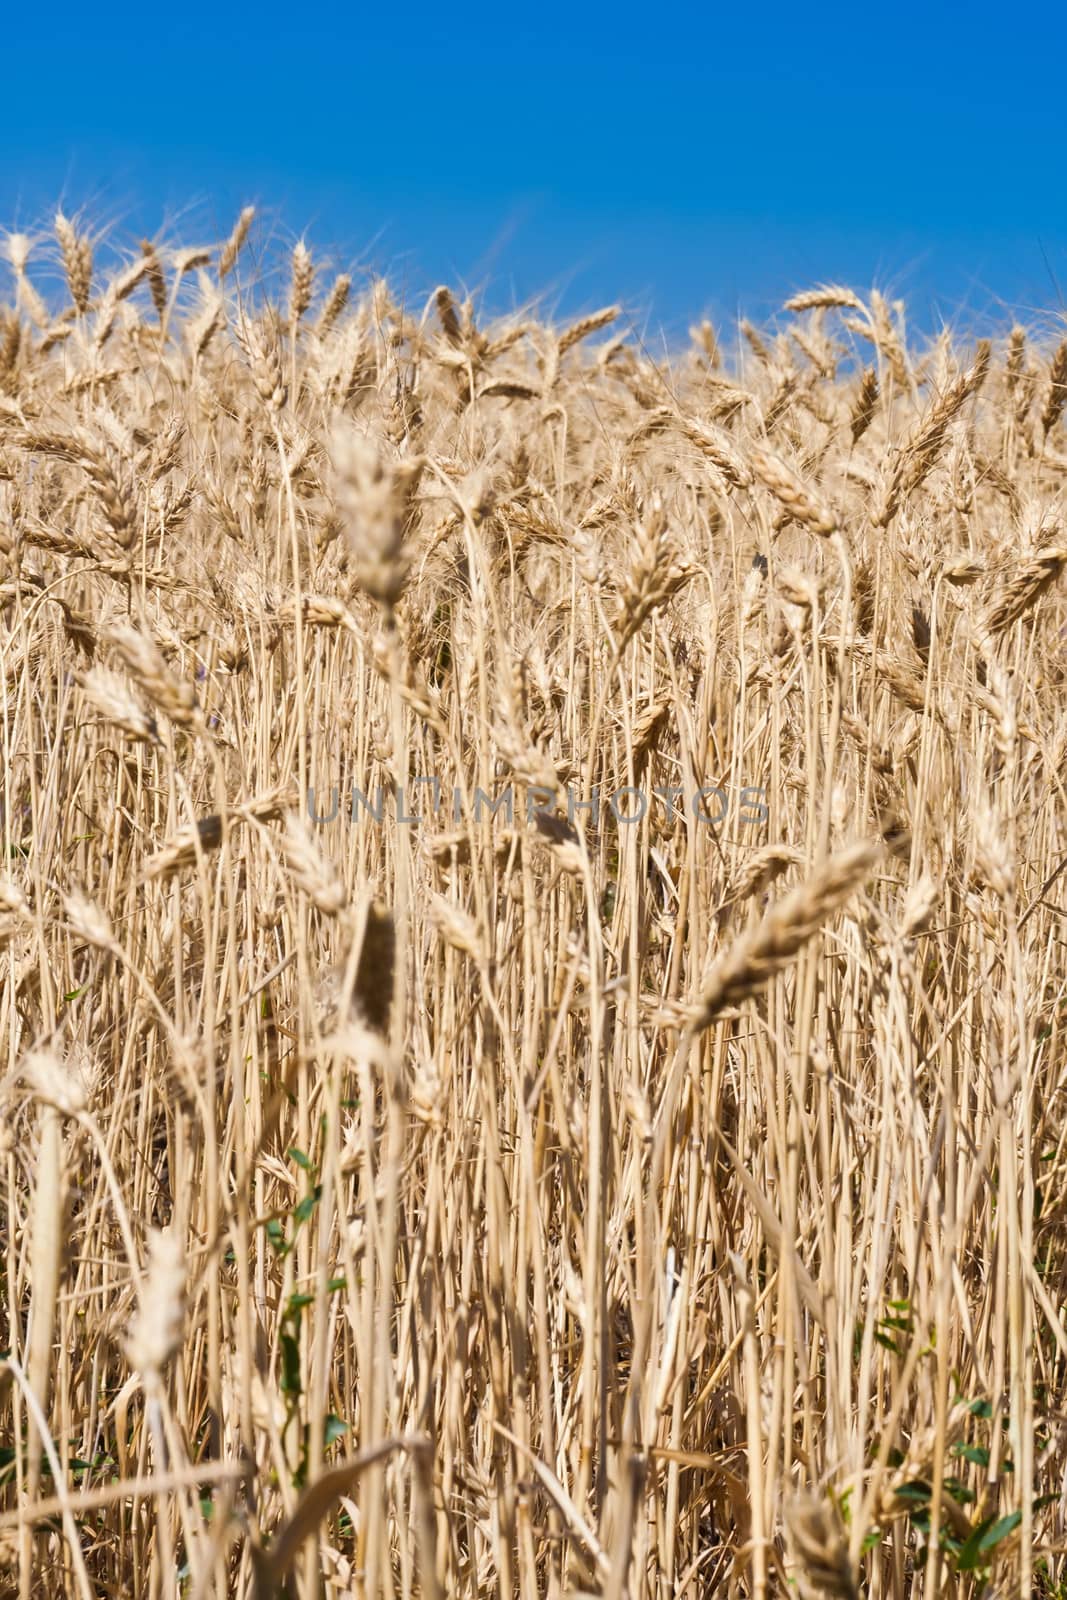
{"x":686,"y":159}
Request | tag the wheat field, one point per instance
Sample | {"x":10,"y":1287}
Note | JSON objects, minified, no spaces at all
{"x":532,"y":944}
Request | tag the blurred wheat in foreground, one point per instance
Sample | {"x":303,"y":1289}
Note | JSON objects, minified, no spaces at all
{"x":516,"y":1201}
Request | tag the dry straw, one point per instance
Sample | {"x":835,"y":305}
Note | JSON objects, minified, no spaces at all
{"x":468,"y":1197}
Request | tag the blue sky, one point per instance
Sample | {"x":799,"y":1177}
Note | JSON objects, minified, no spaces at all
{"x":686,"y":159}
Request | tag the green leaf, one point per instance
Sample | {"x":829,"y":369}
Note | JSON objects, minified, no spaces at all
{"x":968,"y":1557}
{"x":916,"y":1490}
{"x":977,"y":1454}
{"x":983,"y":1537}
{"x":1000,"y":1530}
{"x":303,"y":1211}
{"x":981,"y":1408}
{"x":290,"y":1382}
{"x":959,"y":1491}
{"x":336,"y":1428}
{"x":300,"y":1158}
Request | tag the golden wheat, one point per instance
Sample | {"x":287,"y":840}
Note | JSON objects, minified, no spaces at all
{"x":474,"y":1120}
